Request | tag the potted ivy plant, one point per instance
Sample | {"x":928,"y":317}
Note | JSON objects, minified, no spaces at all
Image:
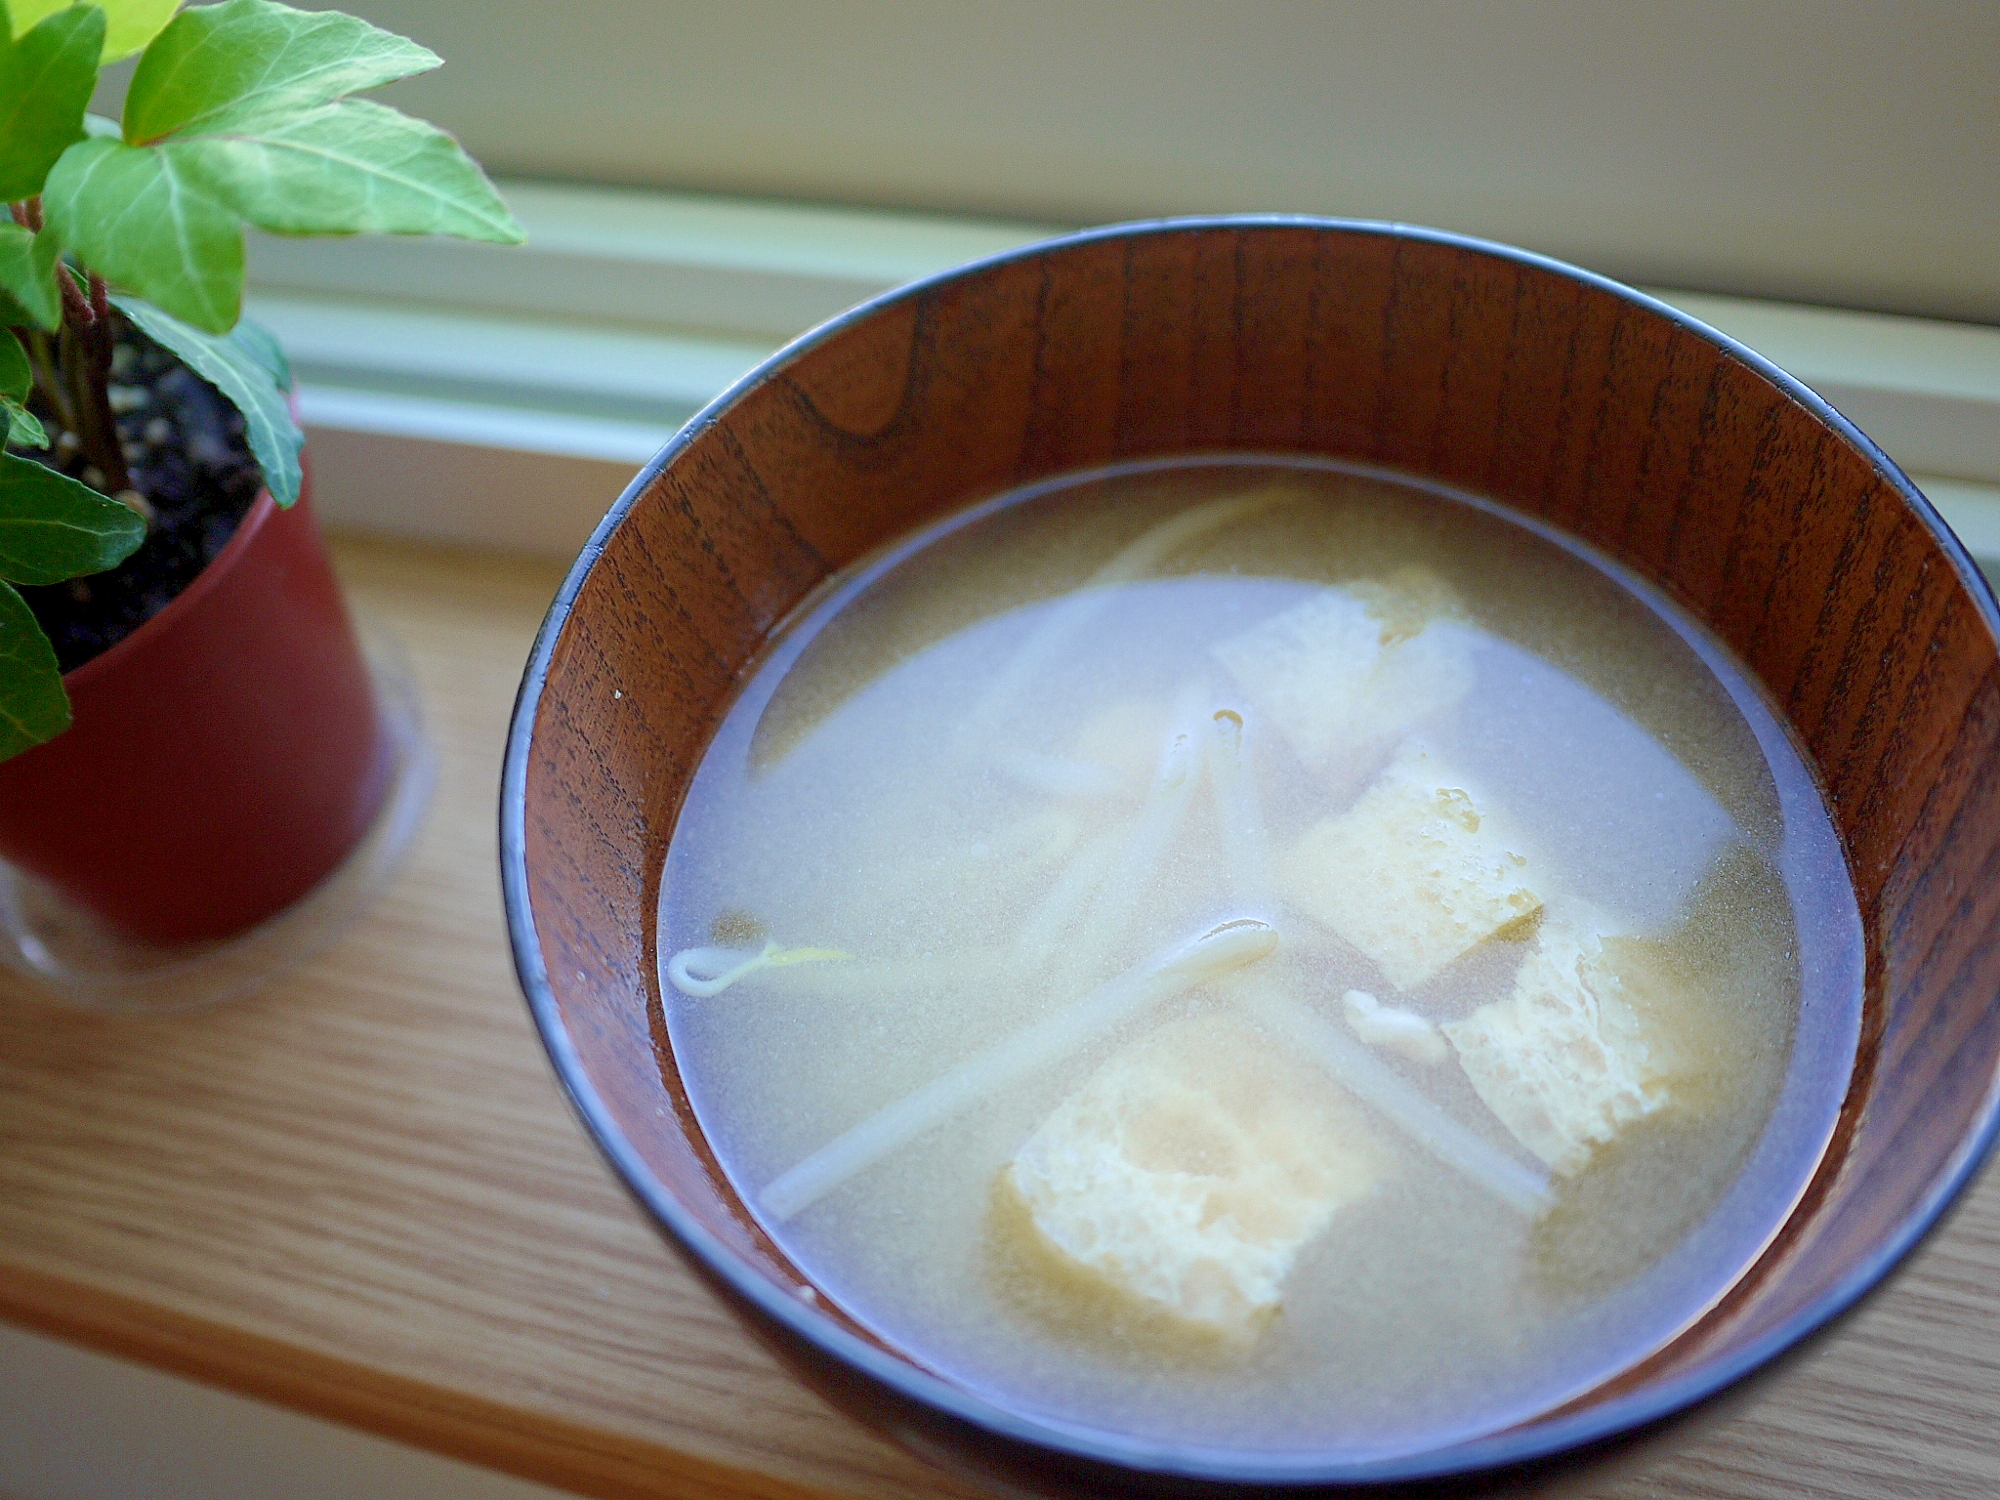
{"x":189,"y":737}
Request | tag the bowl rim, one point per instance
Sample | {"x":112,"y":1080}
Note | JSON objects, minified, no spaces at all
{"x":1620,"y":1415}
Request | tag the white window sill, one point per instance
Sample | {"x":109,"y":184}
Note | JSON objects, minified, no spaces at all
{"x":503,"y":397}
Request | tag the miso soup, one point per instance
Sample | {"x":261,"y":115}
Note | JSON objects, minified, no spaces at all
{"x":1259,"y":954}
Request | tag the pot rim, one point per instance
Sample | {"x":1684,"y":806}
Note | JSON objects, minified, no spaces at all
{"x":1546,"y":1439}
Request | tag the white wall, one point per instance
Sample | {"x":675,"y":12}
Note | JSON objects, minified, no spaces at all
{"x":1837,"y":151}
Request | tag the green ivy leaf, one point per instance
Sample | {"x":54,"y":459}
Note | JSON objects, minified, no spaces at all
{"x":354,"y":167}
{"x":17,"y":376}
{"x":235,"y":114}
{"x":135,"y":216}
{"x":239,"y":365}
{"x":25,"y":14}
{"x":33,"y":705}
{"x":52,"y":528}
{"x":24,"y":428}
{"x":252,"y":57}
{"x":257,"y":341}
{"x":129,"y":24}
{"x":28,"y":295}
{"x":46,"y":78}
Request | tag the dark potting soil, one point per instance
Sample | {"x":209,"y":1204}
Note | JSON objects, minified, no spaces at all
{"x":186,"y":453}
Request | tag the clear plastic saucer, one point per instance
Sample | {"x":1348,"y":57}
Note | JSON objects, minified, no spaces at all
{"x":53,"y":950}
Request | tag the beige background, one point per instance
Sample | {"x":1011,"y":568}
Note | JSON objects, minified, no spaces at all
{"x":1837,"y":151}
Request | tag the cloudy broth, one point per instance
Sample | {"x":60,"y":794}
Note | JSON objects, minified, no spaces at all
{"x":1259,"y":955}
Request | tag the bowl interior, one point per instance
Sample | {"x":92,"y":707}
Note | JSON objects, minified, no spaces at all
{"x":1738,"y":493}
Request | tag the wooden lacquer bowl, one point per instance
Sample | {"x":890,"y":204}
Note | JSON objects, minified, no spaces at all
{"x":1741,"y":494}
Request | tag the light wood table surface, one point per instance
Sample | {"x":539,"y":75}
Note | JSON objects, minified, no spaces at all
{"x":361,"y":1194}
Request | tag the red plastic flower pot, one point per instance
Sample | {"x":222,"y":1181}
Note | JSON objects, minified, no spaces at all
{"x":225,"y":757}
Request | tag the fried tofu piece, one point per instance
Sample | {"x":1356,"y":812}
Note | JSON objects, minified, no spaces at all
{"x":1191,"y":1169}
{"x":1348,"y":669}
{"x":1565,"y":1061}
{"x":1417,"y":872}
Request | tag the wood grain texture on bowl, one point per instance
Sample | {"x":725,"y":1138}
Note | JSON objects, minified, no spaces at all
{"x":1565,"y":397}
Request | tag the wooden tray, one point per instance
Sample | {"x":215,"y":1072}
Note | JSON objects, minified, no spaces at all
{"x":362,"y":1195}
